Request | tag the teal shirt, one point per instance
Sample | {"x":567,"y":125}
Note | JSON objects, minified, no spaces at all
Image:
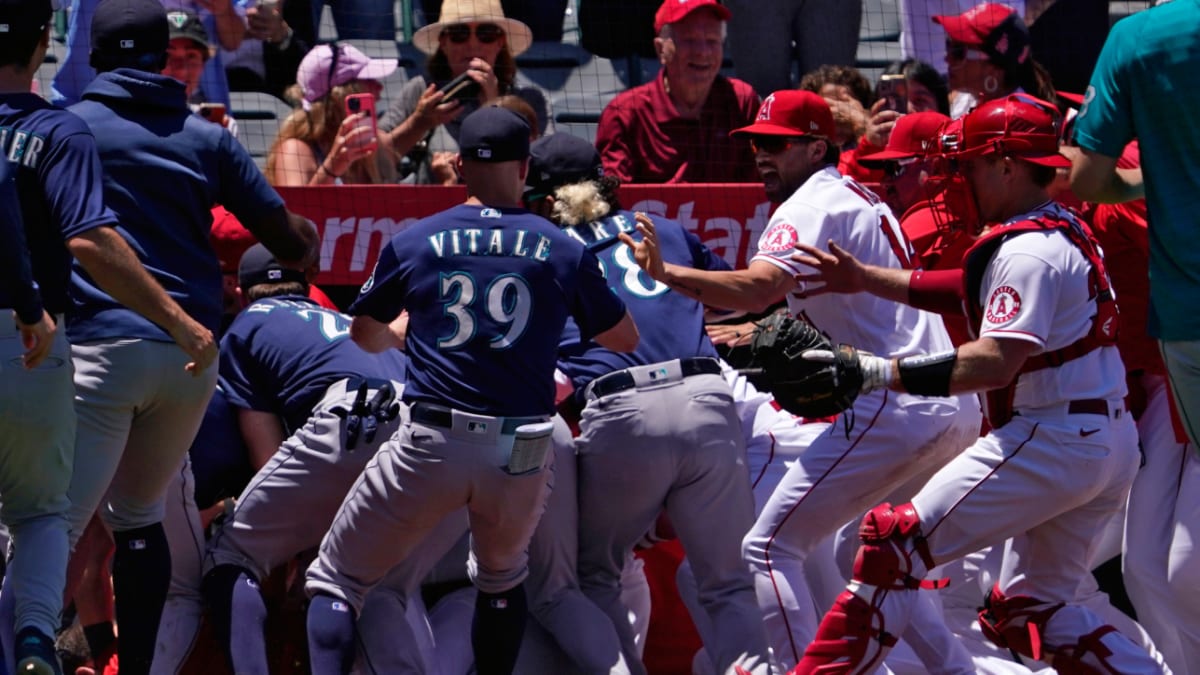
{"x":1147,"y":86}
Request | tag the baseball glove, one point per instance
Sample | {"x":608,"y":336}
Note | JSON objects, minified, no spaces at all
{"x":804,"y":387}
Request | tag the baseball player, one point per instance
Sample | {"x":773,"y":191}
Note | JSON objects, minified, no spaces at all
{"x":1061,"y":453}
{"x":138,"y":407}
{"x":1159,"y":559}
{"x":315,"y":403}
{"x":886,"y":441}
{"x":489,"y":288}
{"x":658,"y":425}
{"x":53,"y":157}
{"x":1124,"y":101}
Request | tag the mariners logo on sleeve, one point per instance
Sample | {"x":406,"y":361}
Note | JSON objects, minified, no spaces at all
{"x":779,"y":237}
{"x":1004,"y":305}
{"x":369,"y":282}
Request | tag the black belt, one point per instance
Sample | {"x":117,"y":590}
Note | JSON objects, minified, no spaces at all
{"x":1089,"y":406}
{"x":623,"y":379}
{"x":437,"y":416}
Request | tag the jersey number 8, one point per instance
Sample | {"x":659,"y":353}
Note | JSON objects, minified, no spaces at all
{"x":507,"y":301}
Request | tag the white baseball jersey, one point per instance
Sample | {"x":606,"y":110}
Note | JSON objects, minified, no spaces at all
{"x":832,"y":206}
{"x":1036,"y":289}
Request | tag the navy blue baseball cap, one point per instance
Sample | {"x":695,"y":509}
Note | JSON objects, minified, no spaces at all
{"x":560,"y":159}
{"x":123,"y":28}
{"x":19,"y":16}
{"x":493,"y":134}
{"x":258,"y":266}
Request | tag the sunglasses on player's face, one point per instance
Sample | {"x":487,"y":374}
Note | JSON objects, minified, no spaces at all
{"x":773,"y":145}
{"x":896,"y":168}
{"x":486,"y":33}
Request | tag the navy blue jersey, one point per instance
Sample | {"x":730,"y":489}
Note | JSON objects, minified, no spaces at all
{"x":670,"y":325}
{"x":17,"y":289}
{"x":220,"y":458}
{"x":53,"y":156}
{"x":164,"y":170}
{"x":488,"y":292}
{"x":281,"y":354}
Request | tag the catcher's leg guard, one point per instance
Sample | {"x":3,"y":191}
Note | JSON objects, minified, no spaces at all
{"x":1018,"y":622}
{"x":854,"y":636}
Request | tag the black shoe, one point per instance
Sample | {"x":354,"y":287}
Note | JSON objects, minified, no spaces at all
{"x":35,"y":653}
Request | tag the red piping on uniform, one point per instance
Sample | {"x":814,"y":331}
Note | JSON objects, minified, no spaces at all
{"x":767,"y":548}
{"x":770,"y":458}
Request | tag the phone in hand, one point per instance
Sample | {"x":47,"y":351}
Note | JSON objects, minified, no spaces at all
{"x":461,"y":88}
{"x":894,"y":89}
{"x":213,"y":112}
{"x":363,"y":103}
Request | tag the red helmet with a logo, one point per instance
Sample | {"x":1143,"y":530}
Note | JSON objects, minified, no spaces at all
{"x":1018,"y":126}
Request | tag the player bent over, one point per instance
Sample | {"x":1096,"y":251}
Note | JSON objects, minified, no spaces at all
{"x":1062,"y":451}
{"x":489,"y":287}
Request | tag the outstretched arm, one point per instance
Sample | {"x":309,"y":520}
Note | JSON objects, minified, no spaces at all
{"x":1096,"y":178}
{"x":752,"y":289}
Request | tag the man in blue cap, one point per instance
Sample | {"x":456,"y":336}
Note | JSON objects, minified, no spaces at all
{"x":138,"y":408}
{"x":488,"y":288}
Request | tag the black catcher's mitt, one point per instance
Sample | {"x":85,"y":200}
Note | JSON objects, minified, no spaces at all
{"x":803,"y":387}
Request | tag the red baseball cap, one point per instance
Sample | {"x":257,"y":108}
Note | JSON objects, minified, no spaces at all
{"x":674,"y":10}
{"x":998,"y":30}
{"x":914,"y":135}
{"x":791,"y":112}
{"x":229,"y":239}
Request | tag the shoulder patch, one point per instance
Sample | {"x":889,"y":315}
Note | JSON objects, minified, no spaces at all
{"x":779,"y":237}
{"x":1004,"y":305}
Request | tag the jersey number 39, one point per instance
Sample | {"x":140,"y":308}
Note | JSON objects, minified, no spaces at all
{"x":507,"y":302}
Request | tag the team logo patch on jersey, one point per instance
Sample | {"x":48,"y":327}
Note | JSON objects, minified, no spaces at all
{"x":1004,"y":305}
{"x":779,"y":237}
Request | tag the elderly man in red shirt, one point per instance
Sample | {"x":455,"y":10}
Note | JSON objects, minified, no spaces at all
{"x":676,"y":128}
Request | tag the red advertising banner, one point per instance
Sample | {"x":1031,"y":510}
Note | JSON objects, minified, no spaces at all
{"x":355,"y":221}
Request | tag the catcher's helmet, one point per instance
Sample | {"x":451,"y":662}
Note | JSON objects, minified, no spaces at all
{"x":1018,"y":125}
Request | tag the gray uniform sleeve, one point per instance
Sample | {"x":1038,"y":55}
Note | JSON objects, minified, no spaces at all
{"x":404,"y":104}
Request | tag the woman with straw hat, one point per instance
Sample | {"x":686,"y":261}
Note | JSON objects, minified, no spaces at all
{"x":472,"y":37}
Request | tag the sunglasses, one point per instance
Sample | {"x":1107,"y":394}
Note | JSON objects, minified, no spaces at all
{"x":773,"y":145}
{"x":957,"y":51}
{"x":486,"y":33}
{"x":896,"y":168}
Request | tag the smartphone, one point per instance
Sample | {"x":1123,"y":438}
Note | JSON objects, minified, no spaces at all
{"x":460,"y":88}
{"x":894,"y":90}
{"x":213,"y":112}
{"x":363,"y":103}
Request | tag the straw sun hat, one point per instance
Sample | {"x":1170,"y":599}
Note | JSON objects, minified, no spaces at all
{"x":519,"y":35}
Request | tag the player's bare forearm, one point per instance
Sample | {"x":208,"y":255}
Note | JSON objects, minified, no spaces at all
{"x":263,"y":434}
{"x":886,"y":282}
{"x":743,"y":290}
{"x":1096,"y":178}
{"x":110,"y":261}
{"x":290,"y":237}
{"x":374,"y":336}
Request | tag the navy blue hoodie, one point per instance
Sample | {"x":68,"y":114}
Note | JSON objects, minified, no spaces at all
{"x":164,"y":170}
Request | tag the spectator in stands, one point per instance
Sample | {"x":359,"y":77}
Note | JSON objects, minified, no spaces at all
{"x":919,"y":88}
{"x":472,"y":37}
{"x":320,"y":144}
{"x":676,"y":128}
{"x":271,"y":52}
{"x":848,"y":94}
{"x":765,"y":36}
{"x":988,"y":55}
{"x":222,"y":20}
{"x":187,"y":53}
{"x":544,"y":17}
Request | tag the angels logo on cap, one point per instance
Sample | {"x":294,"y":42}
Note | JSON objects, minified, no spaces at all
{"x":764,"y":111}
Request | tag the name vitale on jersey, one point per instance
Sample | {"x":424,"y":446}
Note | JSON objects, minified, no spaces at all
{"x":490,"y":242}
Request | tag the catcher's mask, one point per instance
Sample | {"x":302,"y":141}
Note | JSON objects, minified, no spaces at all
{"x":1019,"y":126}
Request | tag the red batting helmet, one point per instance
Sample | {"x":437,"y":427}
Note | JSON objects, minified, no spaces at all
{"x":1018,"y":126}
